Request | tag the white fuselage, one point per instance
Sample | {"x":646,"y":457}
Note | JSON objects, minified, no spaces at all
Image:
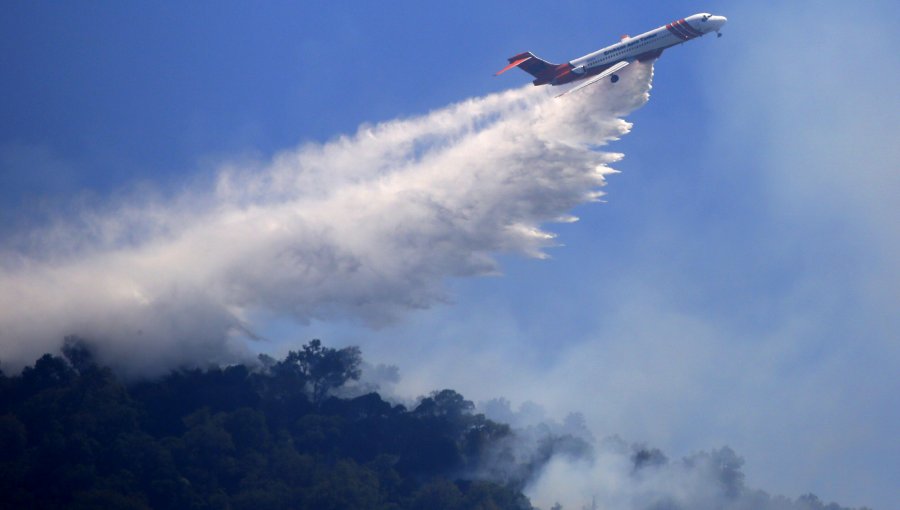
{"x":649,"y":43}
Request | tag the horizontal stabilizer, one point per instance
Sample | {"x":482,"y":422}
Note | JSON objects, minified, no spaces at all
{"x":512,"y":63}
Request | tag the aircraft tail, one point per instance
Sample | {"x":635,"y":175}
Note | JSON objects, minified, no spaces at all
{"x":543,"y":71}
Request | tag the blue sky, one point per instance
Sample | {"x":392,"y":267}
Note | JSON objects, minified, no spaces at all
{"x":739,"y":286}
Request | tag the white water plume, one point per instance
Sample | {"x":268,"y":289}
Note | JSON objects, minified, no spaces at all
{"x":364,"y":227}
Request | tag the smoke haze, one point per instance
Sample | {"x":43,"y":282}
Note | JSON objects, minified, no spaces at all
{"x":623,"y":476}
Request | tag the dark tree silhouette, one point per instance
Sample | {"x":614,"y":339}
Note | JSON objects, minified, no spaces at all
{"x":323,"y":368}
{"x":73,"y":436}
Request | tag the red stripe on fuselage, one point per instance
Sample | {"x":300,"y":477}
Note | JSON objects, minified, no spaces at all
{"x":685,"y":33}
{"x":678,"y":26}
{"x":689,"y":29}
{"x":676,"y":32}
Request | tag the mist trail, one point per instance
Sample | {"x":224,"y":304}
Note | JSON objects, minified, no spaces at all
{"x":364,"y":227}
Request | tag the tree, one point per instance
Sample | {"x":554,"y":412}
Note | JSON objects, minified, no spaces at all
{"x":48,"y":372}
{"x":445,"y":403}
{"x":324,"y":368}
{"x":440,"y":494}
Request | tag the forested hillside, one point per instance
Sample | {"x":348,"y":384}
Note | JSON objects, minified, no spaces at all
{"x":74,"y":436}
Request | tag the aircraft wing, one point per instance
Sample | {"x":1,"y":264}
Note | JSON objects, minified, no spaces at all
{"x":611,"y":69}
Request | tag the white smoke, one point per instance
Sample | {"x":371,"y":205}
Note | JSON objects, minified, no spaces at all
{"x":363,"y":227}
{"x":562,"y":465}
{"x":623,"y":477}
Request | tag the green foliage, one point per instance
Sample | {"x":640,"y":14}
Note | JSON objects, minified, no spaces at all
{"x":73,"y":436}
{"x":440,"y":494}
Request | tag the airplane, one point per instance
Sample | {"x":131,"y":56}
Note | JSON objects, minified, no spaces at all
{"x":606,"y":62}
